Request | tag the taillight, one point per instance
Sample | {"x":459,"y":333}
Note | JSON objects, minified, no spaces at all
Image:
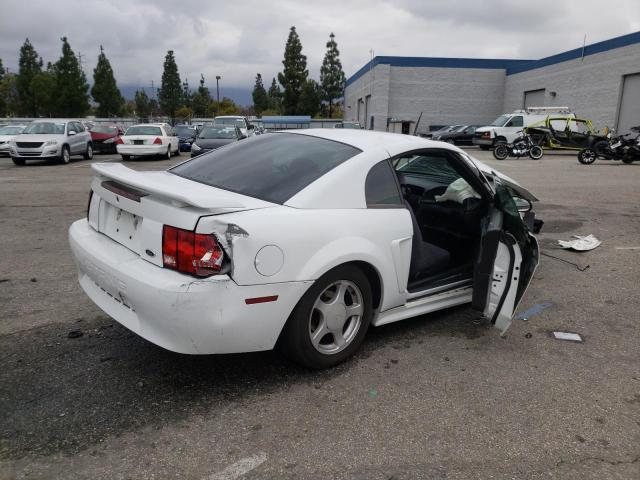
{"x":189,"y":252}
{"x":119,"y":141}
{"x":157,"y":141}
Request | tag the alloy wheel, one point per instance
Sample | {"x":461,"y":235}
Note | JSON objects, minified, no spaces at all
{"x":336,"y":317}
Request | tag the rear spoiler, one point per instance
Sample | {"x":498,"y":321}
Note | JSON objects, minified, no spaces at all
{"x":169,"y":186}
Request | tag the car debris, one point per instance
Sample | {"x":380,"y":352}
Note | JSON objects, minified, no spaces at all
{"x":580,"y":244}
{"x":567,"y":336}
{"x":534,"y":310}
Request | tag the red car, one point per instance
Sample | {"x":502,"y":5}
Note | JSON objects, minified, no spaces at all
{"x":105,"y":138}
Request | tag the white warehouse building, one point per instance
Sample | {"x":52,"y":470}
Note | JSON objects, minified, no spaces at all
{"x":600,"y":82}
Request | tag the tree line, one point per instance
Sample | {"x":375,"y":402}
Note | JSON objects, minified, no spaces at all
{"x":301,"y":95}
{"x":61,"y":89}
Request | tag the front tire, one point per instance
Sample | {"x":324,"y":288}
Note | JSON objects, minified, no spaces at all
{"x":18,"y":161}
{"x":536,"y":152}
{"x":500,"y":152}
{"x":331,"y":319}
{"x":88,"y":154}
{"x":587,"y":156}
{"x":168,"y":154}
{"x":66,"y":155}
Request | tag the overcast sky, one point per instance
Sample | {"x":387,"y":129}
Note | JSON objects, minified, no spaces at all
{"x":236,"y":38}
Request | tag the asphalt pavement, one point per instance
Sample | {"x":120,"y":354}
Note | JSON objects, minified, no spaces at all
{"x":441,"y":396}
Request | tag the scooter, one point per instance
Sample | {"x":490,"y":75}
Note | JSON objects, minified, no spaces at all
{"x":616,"y":148}
{"x":521,"y":147}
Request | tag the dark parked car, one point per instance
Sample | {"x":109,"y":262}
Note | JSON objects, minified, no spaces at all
{"x":186,"y":135}
{"x":214,"y":137}
{"x":105,"y":138}
{"x":462,"y":135}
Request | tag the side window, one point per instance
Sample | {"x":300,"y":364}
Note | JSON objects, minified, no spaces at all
{"x":381,"y":187}
{"x":515,"y":122}
{"x":558,"y":123}
{"x":80,"y":127}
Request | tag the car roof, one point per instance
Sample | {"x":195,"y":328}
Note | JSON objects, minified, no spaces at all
{"x":367,"y":140}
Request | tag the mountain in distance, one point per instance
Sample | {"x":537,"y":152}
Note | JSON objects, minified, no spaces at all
{"x":240,"y":95}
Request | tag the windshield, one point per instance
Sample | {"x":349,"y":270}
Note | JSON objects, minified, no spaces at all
{"x":144,"y":130}
{"x":210,"y":133}
{"x":229,"y":121}
{"x":109,"y":130}
{"x":184,"y":131}
{"x":10,"y":130}
{"x":48,"y":128}
{"x":351,"y":125}
{"x":500,"y":121}
{"x":270,"y":167}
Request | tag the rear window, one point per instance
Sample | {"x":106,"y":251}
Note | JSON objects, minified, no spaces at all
{"x":109,"y":130}
{"x":270,"y":167}
{"x":144,"y":131}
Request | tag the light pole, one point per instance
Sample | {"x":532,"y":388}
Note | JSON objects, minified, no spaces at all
{"x":218,"y":77}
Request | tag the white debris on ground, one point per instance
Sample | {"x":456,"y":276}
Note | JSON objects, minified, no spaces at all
{"x":580,"y":244}
{"x":569,"y":336}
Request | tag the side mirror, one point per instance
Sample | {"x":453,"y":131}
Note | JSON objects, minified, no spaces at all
{"x":523,"y":204}
{"x":72,"y":132}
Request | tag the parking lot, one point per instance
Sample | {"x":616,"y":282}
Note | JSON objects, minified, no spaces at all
{"x":439,"y":396}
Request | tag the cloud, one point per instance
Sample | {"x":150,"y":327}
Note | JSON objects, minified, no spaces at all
{"x":238,"y":39}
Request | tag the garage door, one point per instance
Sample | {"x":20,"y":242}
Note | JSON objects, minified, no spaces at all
{"x":534,"y":98}
{"x":629,"y":115}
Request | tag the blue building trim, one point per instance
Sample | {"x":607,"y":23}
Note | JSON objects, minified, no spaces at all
{"x":510,"y":66}
{"x":437,"y":62}
{"x":592,"y":49}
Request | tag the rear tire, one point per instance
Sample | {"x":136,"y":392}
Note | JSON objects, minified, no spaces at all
{"x":628,"y":161}
{"x":338,"y":323}
{"x":66,"y":155}
{"x":587,"y":156}
{"x":19,"y":161}
{"x":168,"y":154}
{"x":536,"y":152}
{"x":88,"y":154}
{"x":500,"y":152}
{"x":126,"y":158}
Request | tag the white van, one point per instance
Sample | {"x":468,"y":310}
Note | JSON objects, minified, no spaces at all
{"x":507,"y":127}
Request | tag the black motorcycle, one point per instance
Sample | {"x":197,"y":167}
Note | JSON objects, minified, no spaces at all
{"x":521,"y":147}
{"x":622,"y":147}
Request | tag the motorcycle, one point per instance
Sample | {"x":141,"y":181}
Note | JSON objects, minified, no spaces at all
{"x":521,"y":147}
{"x":621,"y":147}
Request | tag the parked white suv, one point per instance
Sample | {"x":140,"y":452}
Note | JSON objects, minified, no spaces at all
{"x":507,"y":127}
{"x":51,"y":139}
{"x":247,"y":129}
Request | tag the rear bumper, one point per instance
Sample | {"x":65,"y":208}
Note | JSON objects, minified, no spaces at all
{"x":178,"y":312}
{"x":142,"y":150}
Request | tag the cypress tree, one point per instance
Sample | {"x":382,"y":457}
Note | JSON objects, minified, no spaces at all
{"x":105,"y":90}
{"x":310,"y":97}
{"x":170,"y":93}
{"x":294,"y":74}
{"x":275,"y":96}
{"x":201,"y":100}
{"x":260,"y":97}
{"x":71,"y":84}
{"x":187,"y":96}
{"x":29,"y":66}
{"x":332,"y":78}
{"x":143,"y":105}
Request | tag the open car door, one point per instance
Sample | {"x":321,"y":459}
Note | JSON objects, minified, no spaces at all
{"x":506,"y":262}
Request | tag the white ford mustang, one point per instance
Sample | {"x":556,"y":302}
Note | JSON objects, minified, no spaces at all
{"x":303,"y":240}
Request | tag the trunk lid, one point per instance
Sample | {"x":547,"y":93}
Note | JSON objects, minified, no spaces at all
{"x":131,"y":207}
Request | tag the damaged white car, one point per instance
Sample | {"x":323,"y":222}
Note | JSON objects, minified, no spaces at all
{"x":303,"y":240}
